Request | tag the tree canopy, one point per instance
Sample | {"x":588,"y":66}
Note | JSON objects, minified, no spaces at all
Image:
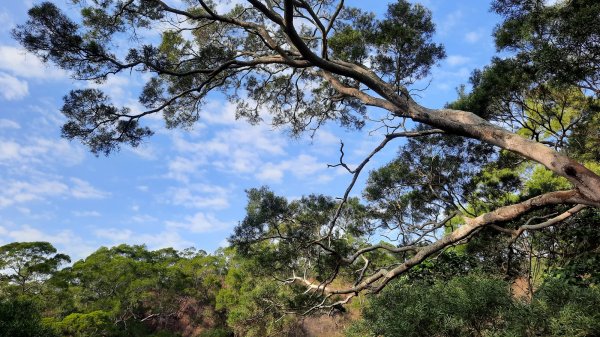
{"x":515,"y":154}
{"x":29,"y":263}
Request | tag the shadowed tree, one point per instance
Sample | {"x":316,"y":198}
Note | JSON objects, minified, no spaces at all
{"x":308,"y":62}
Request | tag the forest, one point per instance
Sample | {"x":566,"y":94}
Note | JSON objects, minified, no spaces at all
{"x":485,"y":223}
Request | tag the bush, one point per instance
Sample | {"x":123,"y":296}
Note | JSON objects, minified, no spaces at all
{"x":478,"y":305}
{"x":463,"y":306}
{"x":558,"y":309}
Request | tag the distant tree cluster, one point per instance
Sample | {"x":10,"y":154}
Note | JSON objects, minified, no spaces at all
{"x":132,"y":291}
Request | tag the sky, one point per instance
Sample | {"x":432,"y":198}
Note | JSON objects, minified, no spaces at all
{"x":181,"y":188}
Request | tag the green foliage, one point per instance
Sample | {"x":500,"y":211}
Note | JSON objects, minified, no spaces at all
{"x":274,"y":232}
{"x":405,"y":52}
{"x":256,"y":305}
{"x":95,"y":323}
{"x":462,"y":306}
{"x":216,"y":332}
{"x":131,"y":291}
{"x":401,"y":41}
{"x":479,"y":305}
{"x":552,"y":39}
{"x":430,"y":176}
{"x":219,"y":56}
{"x":26,"y":264}
{"x":443,"y":267}
{"x":21,"y":318}
{"x":573,"y":250}
{"x":77,"y":106}
{"x":546,"y":90}
{"x":543,"y":180}
{"x":557,"y":309}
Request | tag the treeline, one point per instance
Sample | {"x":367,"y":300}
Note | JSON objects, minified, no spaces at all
{"x":132,"y":291}
{"x":546,"y":285}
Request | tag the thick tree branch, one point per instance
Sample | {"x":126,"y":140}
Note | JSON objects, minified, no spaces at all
{"x":515,"y":233}
{"x":379,"y":280}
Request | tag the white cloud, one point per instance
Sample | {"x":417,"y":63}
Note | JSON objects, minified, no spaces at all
{"x":552,"y":2}
{"x":181,"y":167}
{"x":449,"y":22}
{"x":165,"y":239}
{"x":114,"y":234}
{"x":117,"y":87}
{"x":19,"y":191}
{"x":323,"y":137}
{"x":143,"y":218}
{"x":200,"y":196}
{"x":199,"y":223}
{"x":12,"y":88}
{"x":9,"y":124}
{"x":270,"y":172}
{"x":168,"y":238}
{"x":82,"y":189}
{"x":227,"y":5}
{"x":20,"y":63}
{"x":65,"y":241}
{"x":473,"y":36}
{"x":40,"y":150}
{"x":15,"y":192}
{"x":86,"y":213}
{"x":239,"y":149}
{"x":216,"y":113}
{"x":143,"y":151}
{"x":224,"y":243}
{"x":301,"y":167}
{"x":456,"y":60}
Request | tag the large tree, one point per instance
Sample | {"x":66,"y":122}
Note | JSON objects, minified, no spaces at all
{"x":307,"y":62}
{"x":25,"y":265}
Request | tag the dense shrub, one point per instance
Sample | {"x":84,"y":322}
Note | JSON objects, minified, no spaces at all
{"x":477,"y":305}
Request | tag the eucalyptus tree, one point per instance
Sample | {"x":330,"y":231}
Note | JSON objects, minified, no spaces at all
{"x":307,"y":62}
{"x":26,"y":265}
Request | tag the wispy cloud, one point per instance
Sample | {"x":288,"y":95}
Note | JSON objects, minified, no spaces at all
{"x":39,"y":150}
{"x":64,"y":240}
{"x":199,"y":223}
{"x":300,"y":166}
{"x":450,"y":21}
{"x":473,"y":36}
{"x":114,"y":235}
{"x":164,"y":239}
{"x":9,"y":124}
{"x":12,"y":88}
{"x":82,"y":189}
{"x":19,"y":62}
{"x":200,"y":196}
{"x":239,"y":148}
{"x":86,"y":214}
{"x":39,"y":189}
{"x":456,"y":60}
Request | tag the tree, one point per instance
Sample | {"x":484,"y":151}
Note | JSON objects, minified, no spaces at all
{"x":132,"y":291}
{"x":21,"y":318}
{"x":26,"y":264}
{"x":312,"y":61}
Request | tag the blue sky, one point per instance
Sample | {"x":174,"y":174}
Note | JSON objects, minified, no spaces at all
{"x":180,"y":188}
